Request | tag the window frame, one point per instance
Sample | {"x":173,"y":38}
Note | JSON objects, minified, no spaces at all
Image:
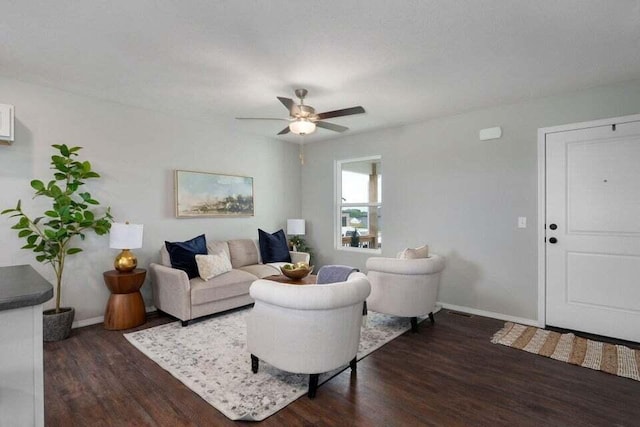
{"x":338,"y":205}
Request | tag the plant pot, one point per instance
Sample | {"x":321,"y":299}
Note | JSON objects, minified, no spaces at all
{"x":57,"y":326}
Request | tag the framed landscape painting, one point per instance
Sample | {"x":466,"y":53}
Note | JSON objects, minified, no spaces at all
{"x":202,"y":194}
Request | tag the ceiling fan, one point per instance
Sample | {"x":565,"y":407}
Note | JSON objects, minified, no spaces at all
{"x":303,"y":119}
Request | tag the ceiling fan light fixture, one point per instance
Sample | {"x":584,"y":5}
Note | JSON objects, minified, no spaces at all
{"x":302,"y":127}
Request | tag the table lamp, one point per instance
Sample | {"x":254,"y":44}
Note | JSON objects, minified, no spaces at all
{"x":295,"y":227}
{"x":125,"y":236}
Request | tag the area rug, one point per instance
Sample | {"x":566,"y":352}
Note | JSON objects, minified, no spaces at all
{"x":613,"y":359}
{"x":211,"y":358}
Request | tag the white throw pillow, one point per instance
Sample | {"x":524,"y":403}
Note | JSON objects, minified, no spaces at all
{"x":213,"y":265}
{"x":409,"y":253}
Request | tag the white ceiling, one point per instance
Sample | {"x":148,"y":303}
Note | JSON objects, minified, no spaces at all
{"x":404,"y":61}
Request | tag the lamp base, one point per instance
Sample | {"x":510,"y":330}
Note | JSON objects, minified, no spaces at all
{"x":125,"y":261}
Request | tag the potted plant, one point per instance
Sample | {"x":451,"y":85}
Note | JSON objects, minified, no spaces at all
{"x":300,"y":245}
{"x":50,"y":236}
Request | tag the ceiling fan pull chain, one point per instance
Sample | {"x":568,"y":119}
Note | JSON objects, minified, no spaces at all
{"x":302,"y":152}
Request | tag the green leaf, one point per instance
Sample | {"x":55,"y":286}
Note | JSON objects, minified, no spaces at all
{"x":65,"y":213}
{"x":93,"y":202}
{"x":6,"y":211}
{"x":86,"y":166}
{"x":50,"y":234}
{"x":64,"y":150}
{"x":55,"y":190}
{"x":52,"y":214}
{"x":18,"y":205}
{"x":91,"y":175}
{"x":22,"y":223}
{"x":41,"y":258}
{"x":74,"y":149}
{"x":72,"y":251}
{"x":28,"y":246}
{"x":37,"y":220}
{"x":25,"y":233}
{"x":88,"y":215}
{"x":60,"y":176}
{"x":37,"y":185}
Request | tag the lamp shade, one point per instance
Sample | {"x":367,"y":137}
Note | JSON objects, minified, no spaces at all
{"x":302,"y":127}
{"x":295,"y":227}
{"x":125,"y":236}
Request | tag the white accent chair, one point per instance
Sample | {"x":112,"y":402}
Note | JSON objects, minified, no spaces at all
{"x":404,"y":287}
{"x":306,"y":329}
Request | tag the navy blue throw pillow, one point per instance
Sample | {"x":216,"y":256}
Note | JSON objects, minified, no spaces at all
{"x":183,"y":254}
{"x":273,"y":247}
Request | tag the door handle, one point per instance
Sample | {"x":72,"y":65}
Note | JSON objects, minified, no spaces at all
{"x":553,"y":226}
{"x":553,"y":240}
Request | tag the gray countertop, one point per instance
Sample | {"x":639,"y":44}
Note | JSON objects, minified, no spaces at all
{"x":22,"y":286}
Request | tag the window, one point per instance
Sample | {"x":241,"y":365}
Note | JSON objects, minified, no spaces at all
{"x":359,"y":204}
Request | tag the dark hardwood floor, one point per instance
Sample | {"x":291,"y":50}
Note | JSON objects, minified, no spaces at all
{"x":447,"y":374}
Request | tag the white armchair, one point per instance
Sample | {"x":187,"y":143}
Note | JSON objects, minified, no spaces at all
{"x":306,"y":329}
{"x":404,"y":287}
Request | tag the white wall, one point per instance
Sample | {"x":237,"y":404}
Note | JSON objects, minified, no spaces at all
{"x":135,"y":151}
{"x":444,"y":187}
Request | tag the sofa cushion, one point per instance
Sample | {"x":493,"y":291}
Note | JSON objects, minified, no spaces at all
{"x":409,"y":253}
{"x":212,"y":265}
{"x":164,"y":256}
{"x":183,"y":254}
{"x":262,"y":270}
{"x":218,"y":246}
{"x":273,"y":247}
{"x":242,"y":252}
{"x":227,"y":285}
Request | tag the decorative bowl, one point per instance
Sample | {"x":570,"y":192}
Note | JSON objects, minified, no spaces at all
{"x":296,"y":271}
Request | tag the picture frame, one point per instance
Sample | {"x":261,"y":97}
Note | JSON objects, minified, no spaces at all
{"x":206,"y":194}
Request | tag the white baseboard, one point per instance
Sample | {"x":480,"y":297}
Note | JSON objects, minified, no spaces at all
{"x":506,"y":317}
{"x":100,"y":319}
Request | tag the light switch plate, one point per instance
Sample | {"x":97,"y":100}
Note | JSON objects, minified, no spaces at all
{"x":522,"y":222}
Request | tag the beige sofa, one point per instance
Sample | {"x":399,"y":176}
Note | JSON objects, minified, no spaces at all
{"x":175,"y":294}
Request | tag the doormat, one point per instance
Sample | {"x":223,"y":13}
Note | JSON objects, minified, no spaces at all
{"x":610,"y":358}
{"x":211,"y":358}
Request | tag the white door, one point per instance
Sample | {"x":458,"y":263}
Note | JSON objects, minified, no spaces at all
{"x":593,"y":230}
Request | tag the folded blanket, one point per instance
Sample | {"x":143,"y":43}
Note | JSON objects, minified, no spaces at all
{"x":334,"y":274}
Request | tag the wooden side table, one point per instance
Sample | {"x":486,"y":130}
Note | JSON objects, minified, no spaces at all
{"x":125,"y":308}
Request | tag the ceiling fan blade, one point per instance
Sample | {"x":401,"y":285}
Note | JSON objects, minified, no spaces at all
{"x":332,"y":126}
{"x":260,"y":118}
{"x":284,"y":131}
{"x":340,"y":113}
{"x":289,"y":105}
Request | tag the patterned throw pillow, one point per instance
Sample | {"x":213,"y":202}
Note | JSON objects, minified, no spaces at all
{"x":409,"y":253}
{"x":210,"y":266}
